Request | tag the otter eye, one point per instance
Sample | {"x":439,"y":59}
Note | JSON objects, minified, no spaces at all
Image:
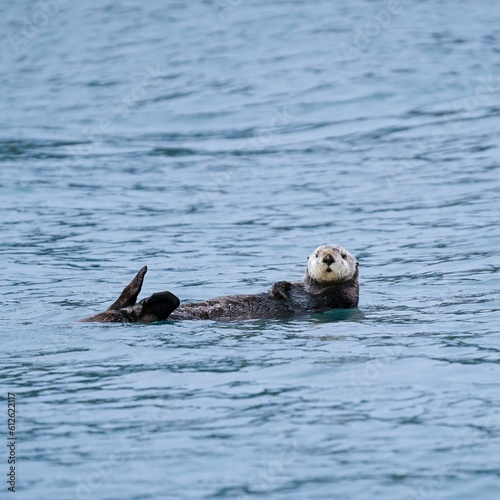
{"x":343,"y":255}
{"x":317,"y":254}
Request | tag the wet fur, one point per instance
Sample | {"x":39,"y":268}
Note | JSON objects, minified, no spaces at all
{"x":235,"y":307}
{"x":324,"y":287}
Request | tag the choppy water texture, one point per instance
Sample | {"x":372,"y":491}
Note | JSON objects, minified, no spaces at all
{"x":219,"y":143}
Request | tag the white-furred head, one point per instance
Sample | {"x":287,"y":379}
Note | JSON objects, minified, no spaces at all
{"x":330,"y":264}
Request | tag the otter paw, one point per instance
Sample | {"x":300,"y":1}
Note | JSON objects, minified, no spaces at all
{"x":280,"y":290}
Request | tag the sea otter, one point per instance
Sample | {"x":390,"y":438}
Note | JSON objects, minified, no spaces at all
{"x":330,"y":282}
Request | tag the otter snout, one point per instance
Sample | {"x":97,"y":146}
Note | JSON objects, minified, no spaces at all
{"x":328,"y":260}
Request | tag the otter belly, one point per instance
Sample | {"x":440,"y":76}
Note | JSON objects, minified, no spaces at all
{"x":234,"y":307}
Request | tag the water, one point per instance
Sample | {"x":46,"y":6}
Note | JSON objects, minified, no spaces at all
{"x":219,"y":143}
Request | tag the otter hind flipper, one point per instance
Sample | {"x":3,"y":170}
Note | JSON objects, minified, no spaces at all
{"x":130,"y":293}
{"x":158,"y":307}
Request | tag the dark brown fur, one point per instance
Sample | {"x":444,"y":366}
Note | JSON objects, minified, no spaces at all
{"x":282,"y":300}
{"x":234,"y":307}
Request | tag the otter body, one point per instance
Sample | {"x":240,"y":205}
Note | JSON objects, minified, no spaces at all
{"x":234,"y":307}
{"x":330,"y":282}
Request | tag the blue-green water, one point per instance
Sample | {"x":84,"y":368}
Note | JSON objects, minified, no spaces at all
{"x":219,"y":143}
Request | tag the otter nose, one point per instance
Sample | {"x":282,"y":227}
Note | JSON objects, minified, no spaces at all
{"x":328,"y":260}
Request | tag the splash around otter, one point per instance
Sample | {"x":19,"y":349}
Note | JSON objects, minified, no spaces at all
{"x":330,"y":282}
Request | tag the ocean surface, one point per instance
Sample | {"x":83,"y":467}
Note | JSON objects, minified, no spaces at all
{"x":219,"y":142}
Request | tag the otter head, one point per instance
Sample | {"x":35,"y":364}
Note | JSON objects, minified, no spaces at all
{"x":330,"y":264}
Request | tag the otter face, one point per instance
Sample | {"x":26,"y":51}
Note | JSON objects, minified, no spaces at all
{"x":330,"y":264}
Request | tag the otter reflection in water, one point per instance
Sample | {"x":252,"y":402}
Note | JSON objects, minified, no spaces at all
{"x":330,"y":282}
